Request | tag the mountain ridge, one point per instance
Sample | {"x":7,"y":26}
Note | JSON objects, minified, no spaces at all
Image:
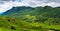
{"x":31,"y":19}
{"x":16,"y":9}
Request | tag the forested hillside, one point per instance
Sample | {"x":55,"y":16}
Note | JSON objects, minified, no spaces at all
{"x":31,"y":19}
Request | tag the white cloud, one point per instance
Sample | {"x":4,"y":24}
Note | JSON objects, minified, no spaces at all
{"x":4,"y":7}
{"x":35,"y":3}
{"x":32,"y":3}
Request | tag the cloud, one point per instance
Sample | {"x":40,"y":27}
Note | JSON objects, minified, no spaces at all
{"x":35,"y":3}
{"x":6,"y":5}
{"x":52,"y":3}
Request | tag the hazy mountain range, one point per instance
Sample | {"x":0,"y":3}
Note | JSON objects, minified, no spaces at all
{"x":8,"y":4}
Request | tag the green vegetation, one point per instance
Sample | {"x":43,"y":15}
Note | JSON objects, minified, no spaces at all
{"x":31,"y":19}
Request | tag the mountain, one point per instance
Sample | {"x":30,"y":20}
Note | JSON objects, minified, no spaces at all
{"x":1,"y":13}
{"x":31,"y":19}
{"x":16,"y":9}
{"x":39,"y":14}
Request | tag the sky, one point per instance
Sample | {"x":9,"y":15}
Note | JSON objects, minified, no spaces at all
{"x":8,"y":4}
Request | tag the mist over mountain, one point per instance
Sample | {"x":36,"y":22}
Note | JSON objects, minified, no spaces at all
{"x":29,"y":15}
{"x":7,"y":4}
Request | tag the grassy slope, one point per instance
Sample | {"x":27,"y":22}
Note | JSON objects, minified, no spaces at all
{"x":38,"y":19}
{"x":26,"y":26}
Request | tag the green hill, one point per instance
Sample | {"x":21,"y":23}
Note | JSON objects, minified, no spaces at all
{"x":31,"y":19}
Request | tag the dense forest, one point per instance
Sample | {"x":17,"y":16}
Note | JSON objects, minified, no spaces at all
{"x":31,"y":19}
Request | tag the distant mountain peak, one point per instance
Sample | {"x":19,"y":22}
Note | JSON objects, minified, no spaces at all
{"x":16,"y":9}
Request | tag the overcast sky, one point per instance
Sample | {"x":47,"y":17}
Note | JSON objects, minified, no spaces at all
{"x":8,"y":4}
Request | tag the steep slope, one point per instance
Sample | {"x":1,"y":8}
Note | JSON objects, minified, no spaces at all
{"x":16,"y":9}
{"x":38,"y":14}
{"x":31,"y":19}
